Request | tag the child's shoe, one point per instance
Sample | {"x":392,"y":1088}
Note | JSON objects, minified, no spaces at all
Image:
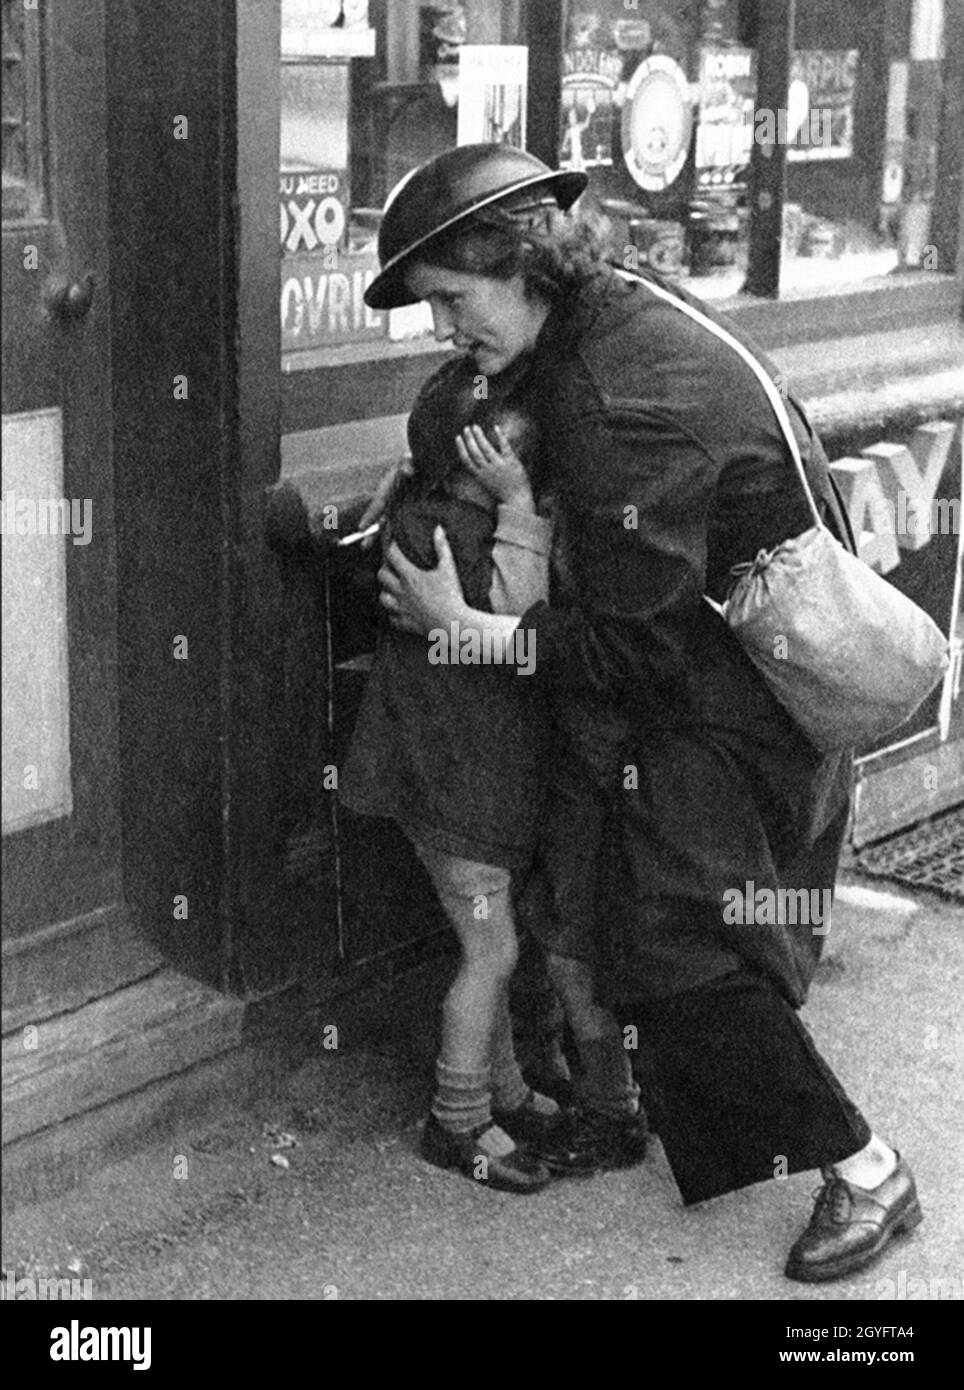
{"x":548,"y":1134}
{"x":481,"y":1154}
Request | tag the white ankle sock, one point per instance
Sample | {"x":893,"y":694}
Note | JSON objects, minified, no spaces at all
{"x":870,"y":1167}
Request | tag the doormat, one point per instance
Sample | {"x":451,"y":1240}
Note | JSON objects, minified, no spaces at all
{"x":930,"y":856}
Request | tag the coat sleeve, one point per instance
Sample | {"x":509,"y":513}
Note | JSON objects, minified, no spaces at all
{"x":636,"y":504}
{"x":520,"y":560}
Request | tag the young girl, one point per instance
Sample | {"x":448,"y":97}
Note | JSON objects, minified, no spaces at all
{"x":453,"y":753}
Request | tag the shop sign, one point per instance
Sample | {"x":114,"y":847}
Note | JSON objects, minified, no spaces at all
{"x":314,"y":210}
{"x":823,"y":86}
{"x":322,"y":300}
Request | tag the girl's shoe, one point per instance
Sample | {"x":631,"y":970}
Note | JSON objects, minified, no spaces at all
{"x":549,"y":1137}
{"x":517,"y":1171}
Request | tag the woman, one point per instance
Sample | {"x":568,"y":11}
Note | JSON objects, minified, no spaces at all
{"x":676,"y":778}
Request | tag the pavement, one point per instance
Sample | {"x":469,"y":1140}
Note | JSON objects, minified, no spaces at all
{"x":317,"y":1191}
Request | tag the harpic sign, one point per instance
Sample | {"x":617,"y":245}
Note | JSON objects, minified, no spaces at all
{"x":820,"y":104}
{"x":322,"y":304}
{"x":314,"y":210}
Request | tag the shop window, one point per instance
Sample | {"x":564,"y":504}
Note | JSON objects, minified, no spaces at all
{"x":657,"y":101}
{"x":659,"y":105}
{"x":369,"y":90}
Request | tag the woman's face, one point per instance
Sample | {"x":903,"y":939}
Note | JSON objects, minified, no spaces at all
{"x":492,"y":320}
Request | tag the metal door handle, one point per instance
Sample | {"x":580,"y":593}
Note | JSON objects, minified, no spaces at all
{"x":69,"y":302}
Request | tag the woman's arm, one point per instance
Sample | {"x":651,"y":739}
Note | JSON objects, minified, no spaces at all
{"x":423,"y":601}
{"x":382,"y":496}
{"x":637,"y":525}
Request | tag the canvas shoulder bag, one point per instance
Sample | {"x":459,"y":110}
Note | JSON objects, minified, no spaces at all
{"x":844,"y":651}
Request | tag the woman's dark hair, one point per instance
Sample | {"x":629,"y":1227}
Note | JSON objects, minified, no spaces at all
{"x":556,"y":255}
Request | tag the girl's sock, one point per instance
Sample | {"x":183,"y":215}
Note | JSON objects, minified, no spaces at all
{"x":462,"y":1099}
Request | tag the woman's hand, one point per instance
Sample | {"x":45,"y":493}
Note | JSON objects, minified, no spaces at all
{"x":418,"y":600}
{"x":499,"y":470}
{"x":382,"y":496}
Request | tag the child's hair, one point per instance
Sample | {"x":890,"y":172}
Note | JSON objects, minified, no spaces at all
{"x":446,"y":404}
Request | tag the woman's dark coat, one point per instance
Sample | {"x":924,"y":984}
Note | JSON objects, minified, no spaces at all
{"x":668,"y":467}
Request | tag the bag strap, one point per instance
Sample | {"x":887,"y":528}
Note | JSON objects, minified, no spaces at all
{"x":773,"y":395}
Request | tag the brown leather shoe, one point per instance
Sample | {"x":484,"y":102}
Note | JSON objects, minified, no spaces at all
{"x":851,"y":1226}
{"x":518,"y":1171}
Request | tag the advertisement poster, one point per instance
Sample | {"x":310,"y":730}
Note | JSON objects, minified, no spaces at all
{"x":314,"y":210}
{"x":493,"y":80}
{"x":322,"y":303}
{"x":724,"y":135}
{"x":820,"y":115}
{"x":589,"y":81}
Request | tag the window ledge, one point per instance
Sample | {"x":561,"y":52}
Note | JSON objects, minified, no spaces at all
{"x":838,"y":311}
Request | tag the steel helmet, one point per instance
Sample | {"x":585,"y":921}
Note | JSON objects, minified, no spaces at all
{"x":448,"y":188}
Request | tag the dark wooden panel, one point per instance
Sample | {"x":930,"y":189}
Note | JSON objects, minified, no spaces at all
{"x":71,"y":866}
{"x":544,"y":35}
{"x":767,"y":178}
{"x":356,"y":391}
{"x":172,"y":233}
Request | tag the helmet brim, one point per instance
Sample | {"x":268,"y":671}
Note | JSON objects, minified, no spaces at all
{"x":389,"y":289}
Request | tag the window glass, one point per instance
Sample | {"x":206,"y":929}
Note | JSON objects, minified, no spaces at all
{"x":659,"y":106}
{"x":369,"y":90}
{"x":657,"y":102}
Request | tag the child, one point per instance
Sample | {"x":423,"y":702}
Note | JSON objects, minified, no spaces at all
{"x":454,"y":754}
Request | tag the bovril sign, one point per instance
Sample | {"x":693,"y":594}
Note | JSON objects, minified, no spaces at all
{"x":322,"y":303}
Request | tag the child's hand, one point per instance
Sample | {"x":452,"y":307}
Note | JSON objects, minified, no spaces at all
{"x":498,"y":469}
